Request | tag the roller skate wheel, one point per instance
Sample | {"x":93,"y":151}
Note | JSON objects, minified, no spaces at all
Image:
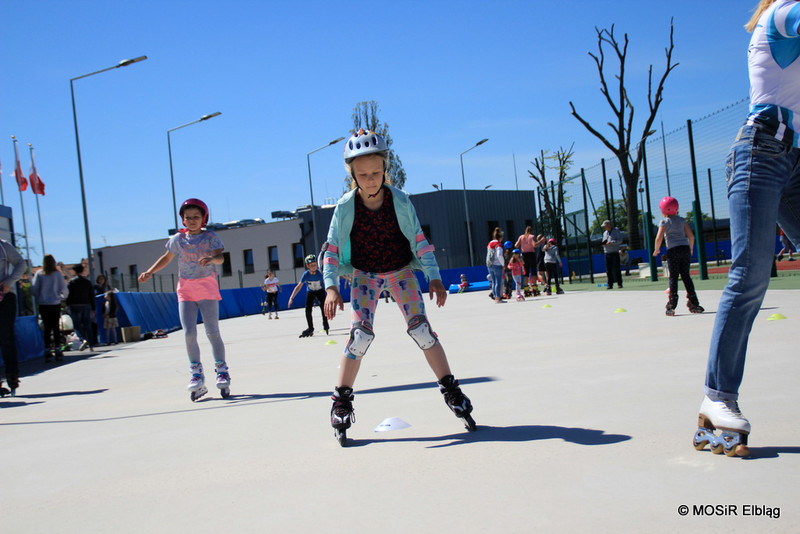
{"x":194,"y":395}
{"x":701,"y":439}
{"x":341,"y":436}
{"x":469,"y":423}
{"x":225,"y":392}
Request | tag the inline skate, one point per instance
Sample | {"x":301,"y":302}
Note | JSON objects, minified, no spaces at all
{"x":726,"y":417}
{"x":223,"y":379}
{"x":308,"y":332}
{"x":342,"y":414}
{"x":694,"y":305}
{"x":457,"y":401}
{"x":197,"y":385}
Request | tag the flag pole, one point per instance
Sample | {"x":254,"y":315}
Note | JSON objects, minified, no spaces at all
{"x":20,"y":183}
{"x":36,"y":196}
{"x":2,"y":196}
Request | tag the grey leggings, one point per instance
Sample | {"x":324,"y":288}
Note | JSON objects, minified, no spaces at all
{"x":209,"y":309}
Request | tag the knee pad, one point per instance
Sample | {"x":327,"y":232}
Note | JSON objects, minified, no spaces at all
{"x":361,"y":336}
{"x":420,"y":331}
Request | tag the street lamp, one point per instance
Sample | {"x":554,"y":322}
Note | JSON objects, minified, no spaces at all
{"x":123,"y":63}
{"x":169,"y":148}
{"x":466,"y":206}
{"x":311,"y":190}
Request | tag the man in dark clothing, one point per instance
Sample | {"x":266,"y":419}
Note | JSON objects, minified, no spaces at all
{"x":12,"y":267}
{"x":81,"y":303}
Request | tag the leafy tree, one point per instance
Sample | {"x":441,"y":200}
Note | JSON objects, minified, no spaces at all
{"x":690,"y":217}
{"x":365,"y":115}
{"x":624,"y":146}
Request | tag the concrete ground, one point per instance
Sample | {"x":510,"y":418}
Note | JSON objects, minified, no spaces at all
{"x":586,"y":415}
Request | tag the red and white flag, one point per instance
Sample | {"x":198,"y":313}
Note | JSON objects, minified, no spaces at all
{"x":37,"y":185}
{"x":22,"y":182}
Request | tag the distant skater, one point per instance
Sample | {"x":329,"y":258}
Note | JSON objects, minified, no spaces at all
{"x":680,"y":241}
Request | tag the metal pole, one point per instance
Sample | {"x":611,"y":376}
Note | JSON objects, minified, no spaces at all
{"x":698,"y":213}
{"x":123,"y":63}
{"x":713,"y":218}
{"x":584,"y":186}
{"x":605,"y":188}
{"x":311,"y":191}
{"x":172,"y":184}
{"x":650,"y":237}
{"x":171,"y":175}
{"x":466,"y":205}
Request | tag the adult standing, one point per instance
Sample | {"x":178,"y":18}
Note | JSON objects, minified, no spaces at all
{"x":80,"y":302}
{"x":612,"y":240}
{"x":495,"y":263}
{"x":763,"y":177}
{"x":49,"y":288}
{"x":527,"y":244}
{"x":12,"y":267}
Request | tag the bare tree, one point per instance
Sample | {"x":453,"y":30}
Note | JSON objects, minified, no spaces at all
{"x":552,"y":194}
{"x":365,"y":115}
{"x":625,"y":147}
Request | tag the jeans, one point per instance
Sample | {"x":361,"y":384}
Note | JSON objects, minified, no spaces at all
{"x":496,"y":273}
{"x":763,"y":178}
{"x":82,"y":321}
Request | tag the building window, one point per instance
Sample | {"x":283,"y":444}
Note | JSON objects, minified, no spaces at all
{"x":491,"y":225}
{"x":272,"y":258}
{"x":297,"y":255}
{"x":510,"y":233}
{"x":247,"y":257}
{"x":227,"y":270}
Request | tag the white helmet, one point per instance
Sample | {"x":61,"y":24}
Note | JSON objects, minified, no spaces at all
{"x":363,"y":143}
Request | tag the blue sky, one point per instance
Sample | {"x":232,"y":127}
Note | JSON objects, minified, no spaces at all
{"x":286,"y":77}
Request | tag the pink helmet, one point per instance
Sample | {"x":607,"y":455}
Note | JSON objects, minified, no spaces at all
{"x":195,"y":203}
{"x":669,"y":206}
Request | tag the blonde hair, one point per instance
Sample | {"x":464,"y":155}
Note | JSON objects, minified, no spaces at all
{"x":348,"y":166}
{"x":757,"y":12}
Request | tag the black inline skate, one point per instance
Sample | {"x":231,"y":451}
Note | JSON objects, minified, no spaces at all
{"x":308,"y":332}
{"x":457,"y":401}
{"x":694,"y":305}
{"x":342,"y":414}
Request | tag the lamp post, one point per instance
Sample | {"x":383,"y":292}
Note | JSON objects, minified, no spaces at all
{"x":123,"y":63}
{"x":311,"y":190}
{"x":466,"y":206}
{"x":169,"y":148}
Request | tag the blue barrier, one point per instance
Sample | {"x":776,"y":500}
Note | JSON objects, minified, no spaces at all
{"x":30,"y":342}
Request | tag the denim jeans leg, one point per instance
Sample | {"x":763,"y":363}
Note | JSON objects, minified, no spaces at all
{"x":496,"y":272}
{"x":758,"y":171}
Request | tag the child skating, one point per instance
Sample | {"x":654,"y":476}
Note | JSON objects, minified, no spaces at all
{"x":517,"y":269}
{"x":551,"y":260}
{"x":375,"y":235}
{"x":315,"y":294}
{"x":272,"y":286}
{"x":198,"y":250}
{"x":680,"y":241}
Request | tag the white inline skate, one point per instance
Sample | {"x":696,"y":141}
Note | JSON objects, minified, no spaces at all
{"x":197,"y":385}
{"x":223,"y":379}
{"x":725,"y":417}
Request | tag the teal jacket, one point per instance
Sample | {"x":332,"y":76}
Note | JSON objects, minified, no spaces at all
{"x":336,"y":250}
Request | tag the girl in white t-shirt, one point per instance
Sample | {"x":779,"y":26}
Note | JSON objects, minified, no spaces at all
{"x":272,"y":287}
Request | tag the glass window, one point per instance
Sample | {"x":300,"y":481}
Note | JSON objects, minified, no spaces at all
{"x":247,"y":257}
{"x":227,"y":270}
{"x":272,"y":258}
{"x":297,"y":254}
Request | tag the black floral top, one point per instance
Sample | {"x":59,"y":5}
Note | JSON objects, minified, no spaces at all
{"x":377,"y":243}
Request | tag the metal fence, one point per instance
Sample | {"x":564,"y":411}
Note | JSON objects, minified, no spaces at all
{"x":668,"y":170}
